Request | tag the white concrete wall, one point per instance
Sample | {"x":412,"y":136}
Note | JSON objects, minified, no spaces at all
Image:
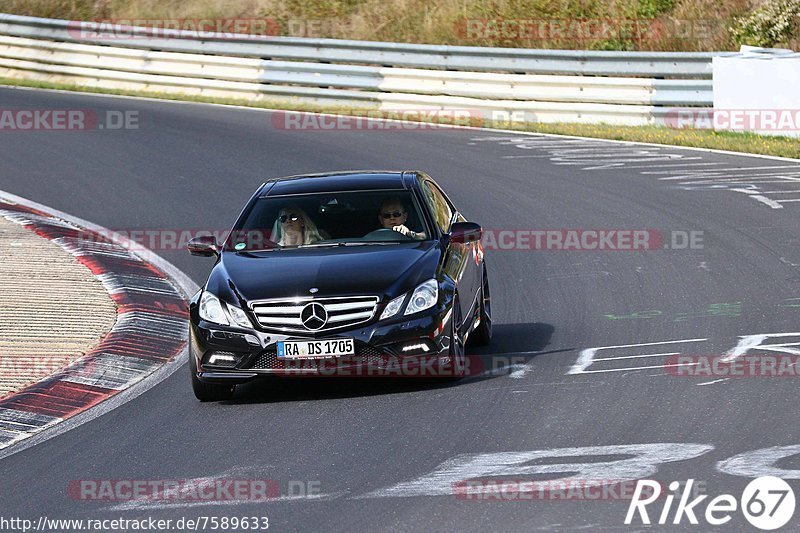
{"x":758,"y":90}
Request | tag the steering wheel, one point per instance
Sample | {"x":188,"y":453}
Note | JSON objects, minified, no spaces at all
{"x":385,"y":234}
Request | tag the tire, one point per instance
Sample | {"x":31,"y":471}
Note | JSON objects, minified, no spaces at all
{"x":208,"y":392}
{"x":483,"y":333}
{"x":457,"y":357}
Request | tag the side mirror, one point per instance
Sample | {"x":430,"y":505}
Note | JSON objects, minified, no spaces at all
{"x":205,"y":246}
{"x":464,"y":232}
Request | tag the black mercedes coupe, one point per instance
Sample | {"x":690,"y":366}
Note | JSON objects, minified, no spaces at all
{"x":361,"y":273}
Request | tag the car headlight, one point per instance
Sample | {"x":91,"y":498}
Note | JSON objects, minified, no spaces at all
{"x":211,"y":309}
{"x":393,"y":307}
{"x":239,"y":317}
{"x":424,"y":297}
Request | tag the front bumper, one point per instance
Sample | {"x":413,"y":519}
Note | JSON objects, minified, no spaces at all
{"x":243,"y":355}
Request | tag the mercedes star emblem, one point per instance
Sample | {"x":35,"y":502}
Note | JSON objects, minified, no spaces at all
{"x":314,"y":316}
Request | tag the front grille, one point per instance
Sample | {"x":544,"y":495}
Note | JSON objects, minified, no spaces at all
{"x":366,"y":355}
{"x":297,"y":315}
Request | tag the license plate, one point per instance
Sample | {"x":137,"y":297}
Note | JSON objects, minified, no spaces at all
{"x":316,"y":349}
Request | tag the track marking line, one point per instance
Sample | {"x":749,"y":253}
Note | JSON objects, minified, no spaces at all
{"x":635,"y":356}
{"x":633,"y":368}
{"x":764,"y":200}
{"x":587,"y":357}
{"x":751,"y":342}
{"x":712,"y":382}
{"x":708,"y":163}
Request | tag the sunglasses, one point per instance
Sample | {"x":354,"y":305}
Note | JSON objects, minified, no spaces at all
{"x":396,"y":214}
{"x":293,"y":218}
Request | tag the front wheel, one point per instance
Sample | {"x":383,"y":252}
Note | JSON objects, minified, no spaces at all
{"x":208,"y":392}
{"x":483,"y":333}
{"x":457,"y":357}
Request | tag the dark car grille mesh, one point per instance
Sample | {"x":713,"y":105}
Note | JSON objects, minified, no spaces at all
{"x":365,"y":355}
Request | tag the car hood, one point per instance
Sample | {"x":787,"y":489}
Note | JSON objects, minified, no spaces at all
{"x":382,"y":270}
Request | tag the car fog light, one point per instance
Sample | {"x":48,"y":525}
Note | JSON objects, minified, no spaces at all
{"x":416,"y":348}
{"x":227,"y":359}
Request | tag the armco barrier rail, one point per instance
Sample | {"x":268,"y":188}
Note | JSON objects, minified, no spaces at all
{"x":536,"y":85}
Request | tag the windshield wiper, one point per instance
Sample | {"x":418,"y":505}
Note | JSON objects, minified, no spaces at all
{"x":328,"y":244}
{"x":320,"y":245}
{"x":251,"y":252}
{"x":346,"y":243}
{"x":316,"y":245}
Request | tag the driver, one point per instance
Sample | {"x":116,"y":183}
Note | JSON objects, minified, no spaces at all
{"x":393,"y":215}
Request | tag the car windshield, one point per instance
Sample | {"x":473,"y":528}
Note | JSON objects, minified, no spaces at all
{"x":329,"y":219}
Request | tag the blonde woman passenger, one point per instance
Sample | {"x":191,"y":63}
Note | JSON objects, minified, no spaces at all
{"x":295,"y":227}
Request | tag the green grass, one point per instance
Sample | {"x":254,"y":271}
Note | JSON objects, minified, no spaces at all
{"x":670,"y":25}
{"x":731,"y":141}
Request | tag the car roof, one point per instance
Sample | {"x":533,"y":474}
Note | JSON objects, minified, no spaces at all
{"x":353,"y":180}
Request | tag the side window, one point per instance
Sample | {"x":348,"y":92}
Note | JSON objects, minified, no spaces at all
{"x":441,"y":209}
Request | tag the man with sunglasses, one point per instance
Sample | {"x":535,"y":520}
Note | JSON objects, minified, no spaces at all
{"x":393,"y":215}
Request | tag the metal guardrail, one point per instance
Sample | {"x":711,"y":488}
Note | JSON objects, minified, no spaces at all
{"x":543,"y":85}
{"x":570,"y":62}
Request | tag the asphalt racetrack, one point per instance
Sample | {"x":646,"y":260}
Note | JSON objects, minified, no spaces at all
{"x":593,"y":335}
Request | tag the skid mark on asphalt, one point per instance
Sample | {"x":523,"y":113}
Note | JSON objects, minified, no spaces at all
{"x":774,"y":186}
